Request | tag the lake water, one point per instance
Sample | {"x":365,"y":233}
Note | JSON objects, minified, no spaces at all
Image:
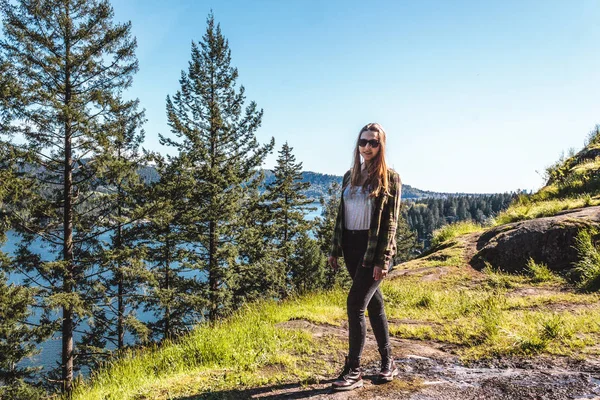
{"x":50,"y":351}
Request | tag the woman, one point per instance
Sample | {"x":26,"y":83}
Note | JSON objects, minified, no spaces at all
{"x":365,"y":234}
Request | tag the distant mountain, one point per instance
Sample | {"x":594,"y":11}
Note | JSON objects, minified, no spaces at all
{"x":319,"y":183}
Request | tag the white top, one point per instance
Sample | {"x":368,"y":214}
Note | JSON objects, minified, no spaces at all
{"x":357,"y":208}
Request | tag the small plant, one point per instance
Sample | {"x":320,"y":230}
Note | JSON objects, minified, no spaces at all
{"x":496,"y":279}
{"x":533,"y":345}
{"x":490,"y":313}
{"x":540,"y":272}
{"x":593,"y":138}
{"x":554,"y":328}
{"x":522,"y":199}
{"x":557,"y":171}
{"x":588,"y":265}
{"x":426,"y":301}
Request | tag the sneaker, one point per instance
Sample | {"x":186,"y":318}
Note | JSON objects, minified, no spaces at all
{"x":388,"y":370}
{"x":350,"y":378}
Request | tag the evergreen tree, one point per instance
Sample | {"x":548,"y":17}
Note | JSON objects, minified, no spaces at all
{"x":18,"y":339}
{"x":72,"y":64}
{"x":325,"y":225}
{"x":309,"y":264}
{"x":288,"y":206}
{"x":120,"y":258}
{"x":175,"y":295}
{"x":461,"y":210}
{"x":258,"y":275}
{"x":217,"y":153}
{"x":407,"y":244}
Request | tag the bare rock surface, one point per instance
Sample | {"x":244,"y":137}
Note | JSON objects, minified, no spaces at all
{"x":549,"y":240}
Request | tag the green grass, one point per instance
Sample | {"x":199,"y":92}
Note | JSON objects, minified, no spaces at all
{"x":540,"y":273}
{"x":487,"y":322}
{"x":450,"y":255}
{"x":524,"y":210}
{"x":572,"y":178}
{"x":587,"y":268}
{"x":235,"y":349}
{"x":451,"y":231}
{"x":497,"y":279}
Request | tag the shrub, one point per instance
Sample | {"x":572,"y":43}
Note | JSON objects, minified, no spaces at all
{"x":490,"y":313}
{"x":426,"y":301}
{"x":497,"y":279}
{"x":588,"y":265}
{"x":555,"y":328}
{"x":593,"y":138}
{"x":539,"y":272}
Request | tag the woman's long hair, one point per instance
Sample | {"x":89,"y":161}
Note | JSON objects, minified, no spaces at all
{"x":377,"y":180}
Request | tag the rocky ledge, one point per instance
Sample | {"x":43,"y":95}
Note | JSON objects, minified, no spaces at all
{"x":549,"y":240}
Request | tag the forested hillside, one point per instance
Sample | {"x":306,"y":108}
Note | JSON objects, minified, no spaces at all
{"x":426,"y":215}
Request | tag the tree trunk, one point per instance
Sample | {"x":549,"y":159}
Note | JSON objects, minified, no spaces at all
{"x":212,"y":272}
{"x":68,"y":278}
{"x":167,"y":332}
{"x":120,"y":301}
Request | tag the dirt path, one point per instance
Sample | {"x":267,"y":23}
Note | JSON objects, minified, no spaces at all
{"x":429,"y":372}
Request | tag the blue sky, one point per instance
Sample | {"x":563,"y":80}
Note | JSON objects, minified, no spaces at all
{"x":476,"y":96}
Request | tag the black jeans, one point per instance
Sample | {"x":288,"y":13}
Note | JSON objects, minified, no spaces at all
{"x":364,"y":294}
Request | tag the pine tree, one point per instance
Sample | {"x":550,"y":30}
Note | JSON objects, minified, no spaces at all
{"x":72,"y":64}
{"x":18,"y":338}
{"x":407,"y":245}
{"x":325,"y":225}
{"x":288,"y":207}
{"x":175,"y":294}
{"x":462,"y":213}
{"x":120,"y":257}
{"x":257,"y":275}
{"x":217,"y":154}
{"x":309,"y":264}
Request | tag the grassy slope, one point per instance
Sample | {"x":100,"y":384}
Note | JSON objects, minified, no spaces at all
{"x":572,"y":183}
{"x":477,"y":314}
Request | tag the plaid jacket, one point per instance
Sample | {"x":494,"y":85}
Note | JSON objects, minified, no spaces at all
{"x":381,"y":245}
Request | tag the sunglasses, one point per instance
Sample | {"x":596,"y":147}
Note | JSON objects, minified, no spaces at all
{"x":373,"y":142}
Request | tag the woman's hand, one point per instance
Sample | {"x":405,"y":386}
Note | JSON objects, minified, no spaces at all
{"x":332,"y":261}
{"x":379,"y":273}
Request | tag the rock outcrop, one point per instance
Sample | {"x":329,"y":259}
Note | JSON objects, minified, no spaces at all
{"x":549,"y":240}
